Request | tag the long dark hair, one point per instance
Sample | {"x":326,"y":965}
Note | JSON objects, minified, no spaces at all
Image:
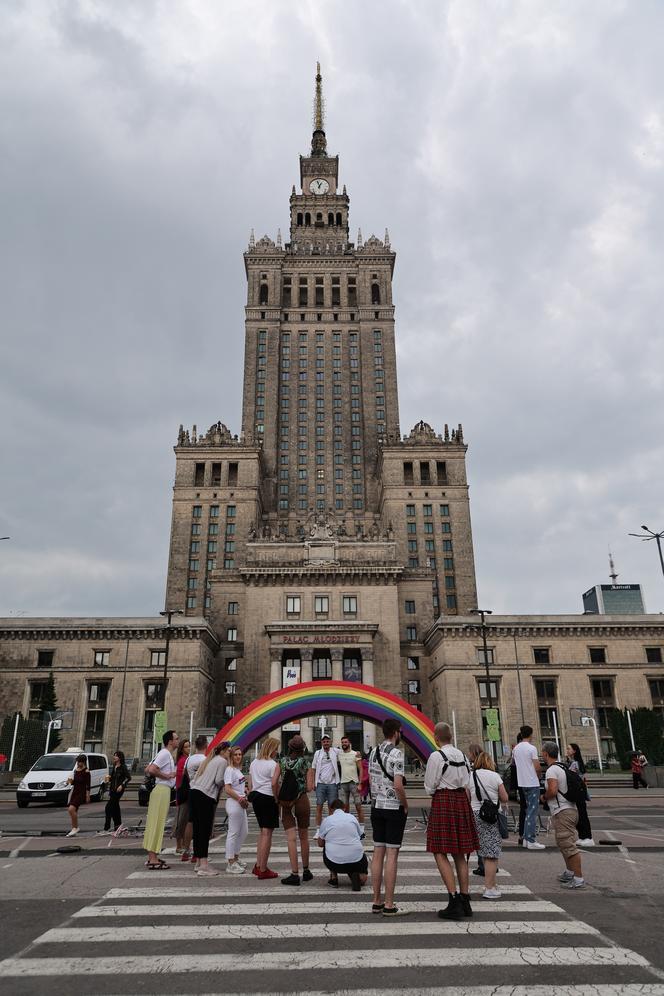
{"x":181,"y":748}
{"x":578,"y":758}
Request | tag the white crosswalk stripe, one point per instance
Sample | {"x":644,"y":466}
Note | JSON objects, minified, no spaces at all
{"x":230,"y":935}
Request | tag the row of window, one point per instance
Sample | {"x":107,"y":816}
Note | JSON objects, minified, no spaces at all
{"x":321,"y":605}
{"x":427,"y":509}
{"x":300,"y":293}
{"x":596,"y":655}
{"x":102,"y":658}
{"x":216,"y":473}
{"x":425,"y":474}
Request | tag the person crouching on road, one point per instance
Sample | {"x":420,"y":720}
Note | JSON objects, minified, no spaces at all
{"x":162,"y":768}
{"x":235,"y":786}
{"x":340,"y":836}
{"x":263,"y":782}
{"x":564,"y":817}
{"x":204,"y":791}
{"x":451,"y":827}
{"x":80,"y":792}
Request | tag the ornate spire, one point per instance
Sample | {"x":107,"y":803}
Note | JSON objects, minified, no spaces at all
{"x":318,"y":140}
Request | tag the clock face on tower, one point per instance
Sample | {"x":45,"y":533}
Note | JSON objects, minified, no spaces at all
{"x":319,"y":186}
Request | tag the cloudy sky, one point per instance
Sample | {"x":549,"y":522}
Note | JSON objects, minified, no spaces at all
{"x":515,"y":151}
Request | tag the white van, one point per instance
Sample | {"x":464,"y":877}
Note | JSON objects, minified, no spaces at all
{"x":46,"y":781}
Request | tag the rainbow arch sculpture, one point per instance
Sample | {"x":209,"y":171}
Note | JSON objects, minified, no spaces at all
{"x":316,"y":698}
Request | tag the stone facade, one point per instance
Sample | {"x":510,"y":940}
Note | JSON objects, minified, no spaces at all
{"x":567,"y":666}
{"x":320,"y":496}
{"x":109,"y":673}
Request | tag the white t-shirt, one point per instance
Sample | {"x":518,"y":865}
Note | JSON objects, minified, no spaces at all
{"x":489,"y":782}
{"x":383,"y":793}
{"x":325,"y":766}
{"x":341,"y":833}
{"x":260,"y":772}
{"x":236,"y":780}
{"x":164,"y":761}
{"x":559,"y":802}
{"x":523,"y":756}
{"x":456,"y":775}
{"x":194,"y":762}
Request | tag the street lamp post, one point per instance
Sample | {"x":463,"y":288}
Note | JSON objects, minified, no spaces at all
{"x":657,"y":537}
{"x":482,"y":613}
{"x":168,"y":614}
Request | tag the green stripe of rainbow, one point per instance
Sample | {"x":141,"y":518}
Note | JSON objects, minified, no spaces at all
{"x":316,"y":698}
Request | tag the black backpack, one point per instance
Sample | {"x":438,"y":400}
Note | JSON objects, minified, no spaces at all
{"x":289,"y":790}
{"x":576,"y":787}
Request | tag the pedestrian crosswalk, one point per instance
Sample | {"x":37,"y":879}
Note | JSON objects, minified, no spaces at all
{"x":171,"y":932}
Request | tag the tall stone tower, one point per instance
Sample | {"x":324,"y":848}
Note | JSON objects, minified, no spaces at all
{"x":320,"y":542}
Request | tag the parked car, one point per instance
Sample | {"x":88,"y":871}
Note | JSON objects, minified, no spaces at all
{"x":46,"y":781}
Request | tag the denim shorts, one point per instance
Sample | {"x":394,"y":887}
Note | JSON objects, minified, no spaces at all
{"x":326,"y":793}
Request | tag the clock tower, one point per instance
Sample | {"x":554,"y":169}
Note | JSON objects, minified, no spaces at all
{"x":319,"y":207}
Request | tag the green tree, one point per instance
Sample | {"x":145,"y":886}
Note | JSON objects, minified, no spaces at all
{"x":49,"y":705}
{"x":648,"y":734}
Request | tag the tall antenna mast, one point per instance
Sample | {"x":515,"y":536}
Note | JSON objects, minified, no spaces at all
{"x":612,"y":572}
{"x":319,"y":102}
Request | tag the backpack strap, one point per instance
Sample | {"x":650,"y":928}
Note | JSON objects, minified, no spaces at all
{"x":378,"y":758}
{"x":478,"y":786}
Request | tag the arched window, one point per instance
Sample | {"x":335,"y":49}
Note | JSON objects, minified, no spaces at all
{"x":300,"y":218}
{"x":319,"y":217}
{"x":339,"y":219}
{"x":307,"y":218}
{"x":330,"y":218}
{"x":263,"y":294}
{"x":375,"y":294}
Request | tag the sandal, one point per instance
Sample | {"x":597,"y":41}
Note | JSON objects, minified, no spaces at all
{"x":162,"y":864}
{"x":153,"y":866}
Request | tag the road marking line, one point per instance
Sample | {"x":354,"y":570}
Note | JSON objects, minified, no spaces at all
{"x":246,"y":931}
{"x":17,"y":850}
{"x":185,"y":892}
{"x":291,"y":909}
{"x":585,"y":989}
{"x":265,"y":961}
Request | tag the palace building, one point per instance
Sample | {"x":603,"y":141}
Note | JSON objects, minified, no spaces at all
{"x":322,"y":540}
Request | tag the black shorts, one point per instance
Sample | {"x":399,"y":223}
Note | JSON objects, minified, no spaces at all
{"x":388,"y":826}
{"x":266,"y":810}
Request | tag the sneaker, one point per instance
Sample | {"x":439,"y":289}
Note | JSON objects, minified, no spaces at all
{"x":179,"y":850}
{"x":478,"y":871}
{"x":291,"y":879}
{"x":573,"y":883}
{"x":566,"y":876}
{"x":392,"y":911}
{"x":242,"y":865}
{"x":103,"y":833}
{"x":234,"y":868}
{"x":72,"y":833}
{"x":306,"y":875}
{"x":378,"y":908}
{"x":207,"y":872}
{"x":333,"y":882}
{"x":532,"y":845}
{"x":492,"y":894}
{"x":185,"y":856}
{"x":255,"y":870}
{"x":266,"y":874}
{"x":586,"y":842}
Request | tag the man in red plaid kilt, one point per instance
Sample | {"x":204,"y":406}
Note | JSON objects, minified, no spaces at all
{"x":451,"y":828}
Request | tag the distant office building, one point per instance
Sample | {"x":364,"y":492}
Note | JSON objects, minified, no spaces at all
{"x":614,"y":599}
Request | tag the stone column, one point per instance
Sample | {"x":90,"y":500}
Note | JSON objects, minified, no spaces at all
{"x":275,"y":685}
{"x":337,"y":655}
{"x":306,"y":653}
{"x":369,"y":731}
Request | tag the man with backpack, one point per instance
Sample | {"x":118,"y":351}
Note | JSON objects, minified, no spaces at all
{"x":389,"y":810}
{"x":292,"y":782}
{"x":561,"y":791}
{"x":327,"y":777}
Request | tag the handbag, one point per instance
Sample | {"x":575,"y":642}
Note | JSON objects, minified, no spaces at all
{"x":488,"y":810}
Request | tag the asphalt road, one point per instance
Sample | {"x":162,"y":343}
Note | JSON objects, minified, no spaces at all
{"x":103,"y":924}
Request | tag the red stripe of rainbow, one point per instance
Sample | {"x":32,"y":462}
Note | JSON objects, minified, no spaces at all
{"x":316,"y":698}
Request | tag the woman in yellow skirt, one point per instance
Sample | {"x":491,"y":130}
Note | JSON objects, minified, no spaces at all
{"x":162,"y":767}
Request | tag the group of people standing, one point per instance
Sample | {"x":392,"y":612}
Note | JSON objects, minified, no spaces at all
{"x":465,"y":817}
